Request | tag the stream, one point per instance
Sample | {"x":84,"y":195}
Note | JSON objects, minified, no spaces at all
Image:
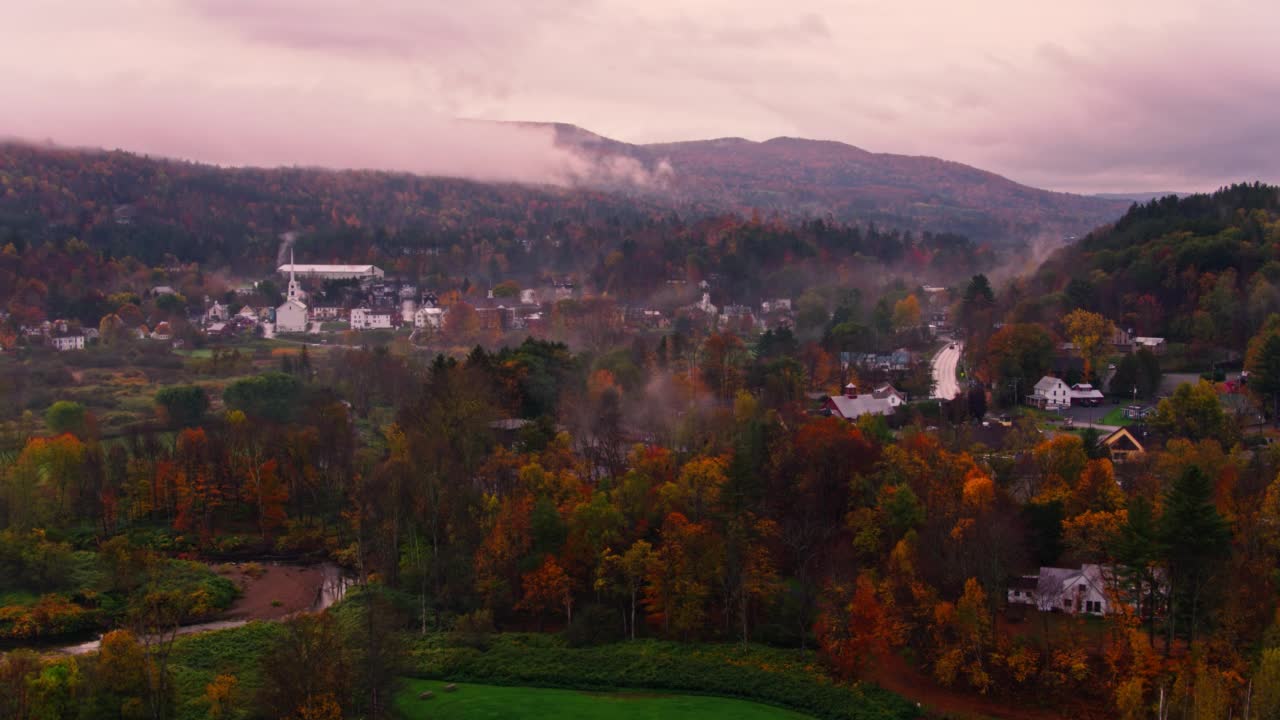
{"x":333,"y":588}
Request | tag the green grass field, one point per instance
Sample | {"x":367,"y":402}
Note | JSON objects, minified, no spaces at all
{"x":1115,"y":417}
{"x":493,"y":701}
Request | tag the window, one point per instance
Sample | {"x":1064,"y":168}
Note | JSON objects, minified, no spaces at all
{"x":1066,"y":603}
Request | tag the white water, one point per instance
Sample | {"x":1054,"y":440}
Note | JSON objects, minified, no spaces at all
{"x":332,"y":589}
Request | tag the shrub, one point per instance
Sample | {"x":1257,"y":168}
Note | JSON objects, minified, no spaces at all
{"x":473,"y":630}
{"x":184,"y":405}
{"x":785,"y":678}
{"x":65,"y":416}
{"x":594,"y":625}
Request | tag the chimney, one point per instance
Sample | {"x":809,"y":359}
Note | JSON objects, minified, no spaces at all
{"x":851,"y":390}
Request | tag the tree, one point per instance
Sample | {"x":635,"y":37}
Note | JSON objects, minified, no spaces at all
{"x":1090,"y":332}
{"x":219,"y":696}
{"x":1137,"y":373}
{"x":851,"y":634}
{"x":906,"y":313}
{"x":630,"y":568}
{"x":1262,"y":360}
{"x":183,"y":405}
{"x":65,"y":416}
{"x":1195,"y":539}
{"x":273,"y":396}
{"x":307,"y":667}
{"x":547,"y":588}
{"x":1018,"y":355}
{"x":1195,"y":413}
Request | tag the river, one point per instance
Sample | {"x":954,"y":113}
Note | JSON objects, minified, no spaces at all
{"x":333,"y":587}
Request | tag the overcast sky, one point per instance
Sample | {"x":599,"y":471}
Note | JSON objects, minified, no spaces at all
{"x":1087,"y":95}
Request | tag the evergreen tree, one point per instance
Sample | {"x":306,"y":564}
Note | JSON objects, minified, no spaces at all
{"x":1195,"y":538}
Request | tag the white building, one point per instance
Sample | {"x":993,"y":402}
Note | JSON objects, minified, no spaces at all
{"x":330,"y":272}
{"x":68,"y":342}
{"x":217,"y":312}
{"x":1050,"y":394}
{"x":429,"y":317}
{"x":292,"y":315}
{"x":852,"y":406}
{"x":1072,"y":591}
{"x":1085,"y":394}
{"x":366,"y":319}
{"x":529,"y":296}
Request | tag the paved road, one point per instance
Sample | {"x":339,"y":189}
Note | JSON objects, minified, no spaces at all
{"x":945,"y":385}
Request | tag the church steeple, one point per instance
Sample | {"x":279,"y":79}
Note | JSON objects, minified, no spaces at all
{"x":294,"y":290}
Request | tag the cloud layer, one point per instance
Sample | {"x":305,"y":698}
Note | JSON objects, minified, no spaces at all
{"x":1088,"y":96}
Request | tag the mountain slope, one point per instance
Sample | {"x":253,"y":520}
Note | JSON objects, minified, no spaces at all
{"x":816,"y":177}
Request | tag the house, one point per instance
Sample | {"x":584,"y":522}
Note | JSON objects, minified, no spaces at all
{"x":217,"y":312}
{"x":428,"y":317}
{"x":1126,"y":444}
{"x":528,"y":296}
{"x":68,"y":341}
{"x":1073,"y":591}
{"x":247,"y":312}
{"x":895,"y":397}
{"x":1022,"y":590}
{"x":162,"y":331}
{"x":563,"y":290}
{"x":1085,"y":394}
{"x":777,"y":305}
{"x":1154,"y":344}
{"x":367,"y":319}
{"x":163,"y":290}
{"x":1050,"y":394}
{"x":852,"y":406}
{"x":322,"y":313}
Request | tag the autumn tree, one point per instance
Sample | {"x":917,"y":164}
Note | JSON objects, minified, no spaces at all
{"x":1018,"y":355}
{"x":1194,"y":412}
{"x":545,"y":589}
{"x":1090,"y":333}
{"x":854,"y":629}
{"x":906,"y":313}
{"x":307,"y":667}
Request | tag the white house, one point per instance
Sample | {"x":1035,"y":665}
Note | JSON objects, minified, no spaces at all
{"x":529,"y":296}
{"x":366,"y":319}
{"x":68,"y":342}
{"x":892,"y":395}
{"x":429,"y":317}
{"x":1050,"y":393}
{"x":1072,"y":591}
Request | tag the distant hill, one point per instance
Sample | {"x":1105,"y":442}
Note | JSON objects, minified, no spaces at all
{"x":817,"y":178}
{"x":1202,"y":269}
{"x":128,"y":204}
{"x":1140,"y":197}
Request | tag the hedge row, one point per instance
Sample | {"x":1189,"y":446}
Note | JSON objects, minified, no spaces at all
{"x":767,"y":675}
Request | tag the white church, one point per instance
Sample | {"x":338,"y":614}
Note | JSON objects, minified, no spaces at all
{"x":292,"y":315}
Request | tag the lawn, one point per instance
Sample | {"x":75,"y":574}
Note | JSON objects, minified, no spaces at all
{"x":494,"y":701}
{"x":1115,"y":417}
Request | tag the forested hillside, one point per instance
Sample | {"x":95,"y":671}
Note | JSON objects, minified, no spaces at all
{"x":1203,"y":269}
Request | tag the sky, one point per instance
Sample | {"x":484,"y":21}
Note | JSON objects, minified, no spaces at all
{"x":1083,"y":96}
